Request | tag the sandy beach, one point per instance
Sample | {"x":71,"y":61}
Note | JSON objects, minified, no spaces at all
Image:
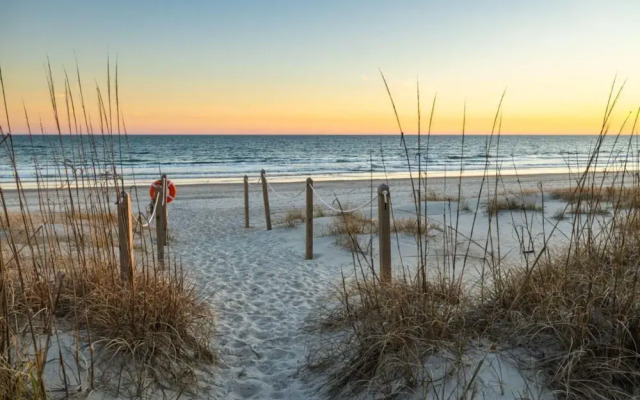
{"x":266,"y":295}
{"x":266,"y":292}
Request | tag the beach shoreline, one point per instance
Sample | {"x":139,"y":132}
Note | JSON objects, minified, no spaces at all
{"x":392,"y":179}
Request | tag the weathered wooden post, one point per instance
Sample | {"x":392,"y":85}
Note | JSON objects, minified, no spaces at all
{"x":384,"y":232}
{"x":246,"y":201}
{"x":125,"y":238}
{"x":161,"y":220}
{"x":265,"y":196}
{"x":309,"y":221}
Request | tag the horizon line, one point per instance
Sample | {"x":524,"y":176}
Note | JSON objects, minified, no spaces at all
{"x":310,"y":134}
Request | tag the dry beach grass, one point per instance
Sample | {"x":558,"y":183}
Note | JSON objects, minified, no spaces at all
{"x":69,"y":323}
{"x":572,"y":308}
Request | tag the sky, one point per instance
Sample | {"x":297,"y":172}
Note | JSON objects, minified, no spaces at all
{"x":314,"y":67}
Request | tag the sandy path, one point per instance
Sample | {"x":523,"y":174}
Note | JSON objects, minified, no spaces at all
{"x":263,"y":290}
{"x":260,"y":283}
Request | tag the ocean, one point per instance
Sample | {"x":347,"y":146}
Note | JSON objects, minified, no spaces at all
{"x":227,"y":158}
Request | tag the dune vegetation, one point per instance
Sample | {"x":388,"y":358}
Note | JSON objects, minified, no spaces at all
{"x":69,"y":322}
{"x":569,"y":306}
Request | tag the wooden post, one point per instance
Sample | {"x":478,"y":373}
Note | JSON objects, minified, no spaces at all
{"x":246,"y":201}
{"x":265,"y":196}
{"x":384,"y":232}
{"x":309,"y":221}
{"x":125,"y":238}
{"x":161,"y":220}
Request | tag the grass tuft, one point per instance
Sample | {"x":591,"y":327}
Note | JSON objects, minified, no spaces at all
{"x":293,"y":217}
{"x":385,"y":331}
{"x":499,"y":204}
{"x":582,"y":305}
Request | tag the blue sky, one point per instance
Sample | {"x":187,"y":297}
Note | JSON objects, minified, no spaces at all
{"x":312,"y":67}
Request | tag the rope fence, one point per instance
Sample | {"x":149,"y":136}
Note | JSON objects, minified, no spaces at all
{"x":255,"y":183}
{"x":157,"y":210}
{"x":153,"y":213}
{"x":329,"y":206}
{"x":384,"y":211}
{"x":285,"y":197}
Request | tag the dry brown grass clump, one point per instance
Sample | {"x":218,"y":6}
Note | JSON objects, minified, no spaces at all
{"x":412,"y":226}
{"x":590,"y":209}
{"x":60,"y":272}
{"x":627,"y":197}
{"x":510,"y":203}
{"x":347,"y":227}
{"x":577,"y":309}
{"x":157,"y":329}
{"x":355,"y":223}
{"x":378,"y":334}
{"x":319,"y":212}
{"x":293,"y":217}
{"x":359,"y":224}
{"x":160,"y":324}
{"x":20,"y":225}
{"x":18,"y":380}
{"x":431,"y":195}
{"x":16,"y":220}
{"x":296,"y":216}
{"x":162,"y":321}
{"x":581,"y":307}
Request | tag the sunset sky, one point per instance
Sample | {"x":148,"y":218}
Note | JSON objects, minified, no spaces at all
{"x":293,"y":66}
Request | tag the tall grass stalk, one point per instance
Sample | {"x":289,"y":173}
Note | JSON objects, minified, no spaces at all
{"x":61,"y":295}
{"x":572,"y":305}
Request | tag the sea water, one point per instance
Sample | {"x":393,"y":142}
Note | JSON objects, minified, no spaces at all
{"x":227,"y":158}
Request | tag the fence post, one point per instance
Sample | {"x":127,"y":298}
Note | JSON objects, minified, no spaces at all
{"x":265,"y":196}
{"x":125,"y":238}
{"x":161,"y":220}
{"x":246,"y":201}
{"x":384,"y":232}
{"x":309,"y":221}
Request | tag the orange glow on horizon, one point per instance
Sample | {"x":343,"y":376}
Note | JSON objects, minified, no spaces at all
{"x":355,"y":106}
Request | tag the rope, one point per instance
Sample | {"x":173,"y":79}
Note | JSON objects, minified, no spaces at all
{"x":285,"y":197}
{"x":153,"y":213}
{"x":329,"y":206}
{"x":337,"y":209}
{"x":250,"y":185}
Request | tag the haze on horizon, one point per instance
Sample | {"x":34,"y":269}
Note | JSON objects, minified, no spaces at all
{"x":297,"y":67}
